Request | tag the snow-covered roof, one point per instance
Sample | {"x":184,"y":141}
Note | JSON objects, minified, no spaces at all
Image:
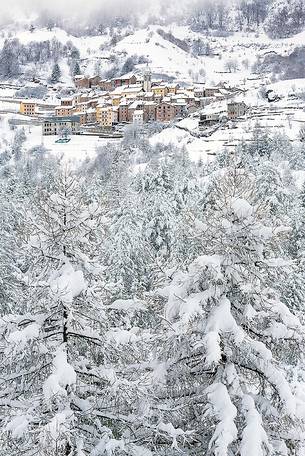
{"x":128,"y":89}
{"x":125,"y":76}
{"x":212,"y":88}
{"x":179,"y":96}
{"x":124,"y":102}
{"x":150,"y":103}
{"x":160,"y":86}
{"x":57,"y":119}
{"x":29,"y":101}
{"x":134,"y":104}
{"x":180,"y":103}
{"x":63,"y":107}
{"x":133,"y":89}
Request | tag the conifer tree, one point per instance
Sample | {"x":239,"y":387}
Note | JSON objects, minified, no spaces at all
{"x":229,"y":333}
{"x":76,"y":69}
{"x":62,"y":391}
{"x":56,"y":74}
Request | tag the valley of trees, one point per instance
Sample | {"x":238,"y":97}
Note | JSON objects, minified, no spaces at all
{"x":153,"y":310}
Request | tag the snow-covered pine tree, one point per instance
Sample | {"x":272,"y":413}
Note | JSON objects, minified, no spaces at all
{"x":232,"y":350}
{"x":76,"y":68}
{"x":157,"y":199}
{"x":56,"y":74}
{"x":10,"y":255}
{"x":64,"y":389}
{"x":117,"y":180}
{"x":127,"y":254}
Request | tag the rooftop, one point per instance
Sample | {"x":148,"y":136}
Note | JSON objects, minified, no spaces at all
{"x":126,"y":76}
{"x":56,"y":119}
{"x":29,"y":101}
{"x":160,"y":86}
{"x":135,"y":104}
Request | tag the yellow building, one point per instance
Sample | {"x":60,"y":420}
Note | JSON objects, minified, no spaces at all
{"x":64,"y":111}
{"x":98,"y":112}
{"x":116,"y":101}
{"x":160,"y":91}
{"x":172,"y":88}
{"x":28,"y":108}
{"x":104,"y":116}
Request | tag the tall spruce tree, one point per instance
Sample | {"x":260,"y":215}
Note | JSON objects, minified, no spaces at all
{"x":56,"y":74}
{"x":63,"y":390}
{"x":232,"y":351}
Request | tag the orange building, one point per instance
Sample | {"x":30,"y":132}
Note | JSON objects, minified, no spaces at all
{"x":28,"y":108}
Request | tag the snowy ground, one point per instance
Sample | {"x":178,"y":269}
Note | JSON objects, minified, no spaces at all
{"x":78,"y":149}
{"x":285,"y":116}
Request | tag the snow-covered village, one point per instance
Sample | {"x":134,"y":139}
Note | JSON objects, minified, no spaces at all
{"x":152,"y":226}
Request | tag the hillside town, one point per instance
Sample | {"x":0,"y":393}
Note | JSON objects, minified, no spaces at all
{"x":100,"y":106}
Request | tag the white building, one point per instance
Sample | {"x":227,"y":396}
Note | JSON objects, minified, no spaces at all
{"x":138,"y":117}
{"x":147,"y":80}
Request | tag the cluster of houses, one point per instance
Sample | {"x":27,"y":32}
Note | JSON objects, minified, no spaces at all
{"x":129,"y":98}
{"x":233,"y":110}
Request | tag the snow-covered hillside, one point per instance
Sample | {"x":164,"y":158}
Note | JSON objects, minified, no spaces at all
{"x":167,"y":58}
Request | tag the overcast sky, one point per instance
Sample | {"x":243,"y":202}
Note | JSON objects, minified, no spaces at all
{"x":25,"y":9}
{"x":21,"y":8}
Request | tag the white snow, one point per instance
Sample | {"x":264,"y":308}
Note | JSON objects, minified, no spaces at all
{"x":21,"y":337}
{"x":174,"y":433}
{"x":63,"y":375}
{"x":18,"y":425}
{"x":220,"y":405}
{"x":58,"y":425}
{"x":241,"y":208}
{"x":67,"y":284}
{"x":128,"y":305}
{"x":121,"y":336}
{"x":254,"y":438}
